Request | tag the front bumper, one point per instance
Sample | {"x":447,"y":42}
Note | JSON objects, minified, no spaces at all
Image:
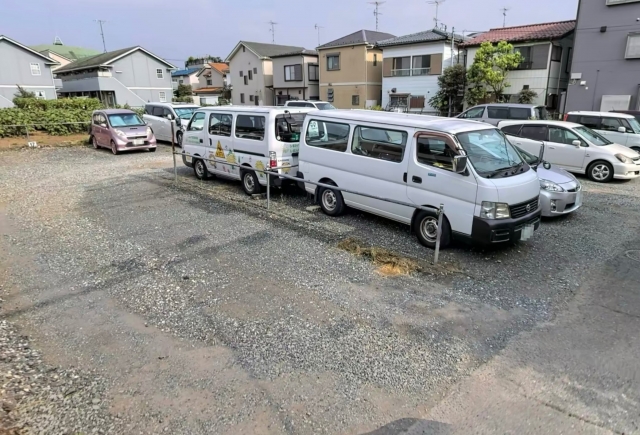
{"x":626,"y":171}
{"x":124,"y":145}
{"x":187,"y":160}
{"x":559,"y":203}
{"x":489,"y":232}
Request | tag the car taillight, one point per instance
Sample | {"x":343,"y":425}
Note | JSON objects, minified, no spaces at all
{"x":272,"y":159}
{"x":566,"y":115}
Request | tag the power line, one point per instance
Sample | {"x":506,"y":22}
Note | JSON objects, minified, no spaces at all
{"x":437,"y":3}
{"x":318,"y":29}
{"x":101,"y":22}
{"x":376,"y":12}
{"x":273,"y":30}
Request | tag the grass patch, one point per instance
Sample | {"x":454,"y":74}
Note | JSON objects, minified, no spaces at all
{"x":388,"y":263}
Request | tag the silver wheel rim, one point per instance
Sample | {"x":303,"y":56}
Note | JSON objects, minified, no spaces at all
{"x":114,"y":149}
{"x":200,"y":168}
{"x":329,"y":200}
{"x":248,"y":182}
{"x":179,"y":138}
{"x":429,"y":228}
{"x":600,"y":172}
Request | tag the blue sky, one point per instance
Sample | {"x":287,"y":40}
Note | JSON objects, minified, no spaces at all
{"x":177,"y":29}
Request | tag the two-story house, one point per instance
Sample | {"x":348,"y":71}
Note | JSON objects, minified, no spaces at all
{"x":295,"y":76}
{"x":24,"y":67}
{"x":606,"y":57}
{"x":132,"y":76}
{"x":212,"y":79}
{"x":546,"y":49}
{"x":187,"y":76}
{"x":411,"y":67}
{"x":251,"y":67}
{"x":351,"y":70}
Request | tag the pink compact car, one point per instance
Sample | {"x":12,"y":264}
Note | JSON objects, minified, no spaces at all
{"x":120,"y":130}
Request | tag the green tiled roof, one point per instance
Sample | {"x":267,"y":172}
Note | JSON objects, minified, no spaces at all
{"x":68,"y":51}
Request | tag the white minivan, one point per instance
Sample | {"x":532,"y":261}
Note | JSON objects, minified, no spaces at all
{"x":620,"y":128}
{"x":255,"y":138}
{"x":489,"y":193}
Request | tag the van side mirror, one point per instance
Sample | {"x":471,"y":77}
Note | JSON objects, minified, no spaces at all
{"x":460,"y":164}
{"x":576,"y":143}
{"x":541,"y":155}
{"x":170,"y":117}
{"x":622,"y":129}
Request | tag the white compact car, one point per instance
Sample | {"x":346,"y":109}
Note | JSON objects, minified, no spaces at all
{"x":575,"y":148}
{"x":156,"y":115}
{"x":620,"y":128}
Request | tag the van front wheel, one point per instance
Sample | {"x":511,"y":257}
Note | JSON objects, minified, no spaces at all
{"x":200,"y":170}
{"x":250,"y":183}
{"x":331,"y":201}
{"x":426,"y":229}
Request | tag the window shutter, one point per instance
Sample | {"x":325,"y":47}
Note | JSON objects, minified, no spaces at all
{"x":539,"y":56}
{"x":298,"y":73}
{"x":436,"y":64}
{"x":387,"y":64}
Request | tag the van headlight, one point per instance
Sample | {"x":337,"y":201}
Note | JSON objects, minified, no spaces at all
{"x":120,"y":133}
{"x":494,"y":210}
{"x":624,"y":159}
{"x":550,"y":186}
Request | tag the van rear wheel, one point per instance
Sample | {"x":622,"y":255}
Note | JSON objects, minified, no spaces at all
{"x":426,"y":228}
{"x":331,"y":201}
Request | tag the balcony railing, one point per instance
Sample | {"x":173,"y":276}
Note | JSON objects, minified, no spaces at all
{"x":400,"y":72}
{"x":420,"y":71}
{"x":410,"y":72}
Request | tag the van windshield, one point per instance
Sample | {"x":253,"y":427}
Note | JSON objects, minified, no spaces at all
{"x":288,"y":127}
{"x":125,"y":120}
{"x":185,"y":112}
{"x":491,"y":154}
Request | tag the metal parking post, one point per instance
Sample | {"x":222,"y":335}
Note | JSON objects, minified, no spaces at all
{"x":26,"y":129}
{"x":268,"y":191}
{"x":438,"y":234}
{"x":173,"y":152}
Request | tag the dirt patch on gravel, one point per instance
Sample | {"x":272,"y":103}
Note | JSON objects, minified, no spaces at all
{"x":43,"y":140}
{"x":388,"y":263}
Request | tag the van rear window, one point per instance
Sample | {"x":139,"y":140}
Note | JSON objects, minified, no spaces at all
{"x":250,"y":127}
{"x":329,"y":135}
{"x":379,"y":143}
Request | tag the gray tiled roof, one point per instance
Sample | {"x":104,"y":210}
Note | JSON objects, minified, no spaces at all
{"x":359,"y":37}
{"x":426,"y":36}
{"x":268,"y":50}
{"x":298,"y":53}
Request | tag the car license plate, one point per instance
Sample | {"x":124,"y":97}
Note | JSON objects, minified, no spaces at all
{"x":138,"y":142}
{"x":527,"y":232}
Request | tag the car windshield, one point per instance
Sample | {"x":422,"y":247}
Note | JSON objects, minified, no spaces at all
{"x":592,"y":136}
{"x":635,"y":125}
{"x":491,"y":154}
{"x":288,"y":127}
{"x":185,"y":112}
{"x":125,"y":120}
{"x":324,"y":106}
{"x":529,"y":158}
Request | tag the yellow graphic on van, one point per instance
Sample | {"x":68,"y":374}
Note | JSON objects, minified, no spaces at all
{"x":231,"y":158}
{"x":219,"y":152}
{"x":260,"y":167}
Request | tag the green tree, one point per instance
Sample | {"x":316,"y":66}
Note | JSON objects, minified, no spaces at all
{"x":526,"y":96}
{"x":488,"y":73}
{"x":183,"y":91}
{"x":450,"y":85}
{"x":23,"y":93}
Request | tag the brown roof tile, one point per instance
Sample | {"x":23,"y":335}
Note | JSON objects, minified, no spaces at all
{"x":530,"y":32}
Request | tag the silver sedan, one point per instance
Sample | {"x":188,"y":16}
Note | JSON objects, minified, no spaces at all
{"x":560,"y":191}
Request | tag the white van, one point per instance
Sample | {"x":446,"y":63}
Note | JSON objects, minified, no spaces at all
{"x":489,"y":193}
{"x":252,"y":137}
{"x":156,"y":115}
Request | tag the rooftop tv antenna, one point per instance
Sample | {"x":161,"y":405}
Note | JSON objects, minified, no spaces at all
{"x":273,"y":30}
{"x":57,"y":41}
{"x":318,"y":29}
{"x":504,"y":16}
{"x":104,"y":44}
{"x":376,"y":12}
{"x":437,"y":3}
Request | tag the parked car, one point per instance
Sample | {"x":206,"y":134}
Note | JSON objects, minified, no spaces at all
{"x":120,"y":130}
{"x":560,"y":192}
{"x":157,"y":117}
{"x":575,"y":148}
{"x":619,"y":128}
{"x":634,"y":113}
{"x":320,"y":105}
{"x":256,"y":138}
{"x":494,"y":113}
{"x":490,"y":194}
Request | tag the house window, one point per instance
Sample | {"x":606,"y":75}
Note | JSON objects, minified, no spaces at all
{"x":535,"y":56}
{"x":40,"y":95}
{"x":255,"y":70}
{"x":159,"y":73}
{"x":246,"y":80}
{"x":556,"y":53}
{"x":633,"y":46}
{"x":313,"y":73}
{"x":35,"y":69}
{"x":241,"y":75}
{"x":355,"y":100}
{"x":181,"y":81}
{"x":209,"y":82}
{"x":242,"y":98}
{"x":333,"y":62}
{"x":399,"y":100}
{"x":421,"y":65}
{"x":250,"y":97}
{"x":375,"y":59}
{"x":243,"y":49}
{"x":250,"y":75}
{"x":163,"y":96}
{"x":401,"y":66}
{"x":293,"y":73}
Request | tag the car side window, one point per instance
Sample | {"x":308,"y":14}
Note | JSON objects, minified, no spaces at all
{"x":220,"y":124}
{"x":250,"y":127}
{"x":309,"y":105}
{"x":592,"y":122}
{"x":197,"y":122}
{"x":434,"y":151}
{"x":473,"y":113}
{"x":379,"y":143}
{"x":564,"y":136}
{"x":495,"y":112}
{"x":513,"y":130}
{"x":96,"y":119}
{"x":157,"y":111}
{"x":166,"y":112}
{"x":329,"y":135}
{"x":148,"y":109}
{"x":626,"y":125}
{"x":611,"y":124}
{"x":534,"y":132}
{"x":295,"y":105}
{"x":519,"y":113}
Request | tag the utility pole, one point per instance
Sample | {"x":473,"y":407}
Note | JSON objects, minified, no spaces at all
{"x":101,"y":22}
{"x":376,"y":12}
{"x":453,"y":29}
{"x":437,"y":3}
{"x":504,"y":16}
{"x":318,"y":29}
{"x":273,"y":30}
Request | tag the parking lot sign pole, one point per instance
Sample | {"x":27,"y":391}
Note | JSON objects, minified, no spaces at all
{"x":268,"y":190}
{"x":438,"y":233}
{"x":173,"y":151}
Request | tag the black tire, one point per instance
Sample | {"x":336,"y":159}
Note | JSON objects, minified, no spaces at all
{"x":94,"y":142}
{"x":331,"y":201}
{"x":636,"y":149}
{"x":250,"y":183}
{"x":600,"y":172}
{"x":114,"y":148}
{"x":200,"y":169}
{"x":152,"y":150}
{"x":179,"y":139}
{"x":425,"y":226}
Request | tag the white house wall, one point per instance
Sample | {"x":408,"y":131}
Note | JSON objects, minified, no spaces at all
{"x":245,"y":61}
{"x":415,"y":85}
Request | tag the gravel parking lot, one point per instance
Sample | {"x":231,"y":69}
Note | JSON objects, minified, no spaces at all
{"x":187,"y":308}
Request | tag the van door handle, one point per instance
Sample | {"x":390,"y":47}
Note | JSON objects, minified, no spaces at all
{"x":200,"y":140}
{"x":404,"y":177}
{"x":210,"y":142}
{"x":416,"y":180}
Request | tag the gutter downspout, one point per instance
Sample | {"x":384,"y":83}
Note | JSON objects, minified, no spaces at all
{"x":366,"y":72}
{"x":304,"y":85}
